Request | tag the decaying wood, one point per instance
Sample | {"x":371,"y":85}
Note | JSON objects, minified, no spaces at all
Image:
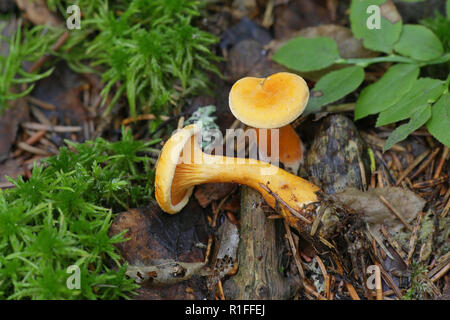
{"x":259,"y":256}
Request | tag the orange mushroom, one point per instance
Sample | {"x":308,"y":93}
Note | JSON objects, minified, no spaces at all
{"x":182,"y":165}
{"x":272,"y":102}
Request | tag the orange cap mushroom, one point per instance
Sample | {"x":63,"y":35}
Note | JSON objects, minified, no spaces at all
{"x":175,"y":179}
{"x":269,"y":103}
{"x":272,"y":102}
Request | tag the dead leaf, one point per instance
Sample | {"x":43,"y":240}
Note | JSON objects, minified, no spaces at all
{"x":165,"y":252}
{"x":389,"y":11}
{"x":375,"y":213}
{"x":298,"y":14}
{"x":9,"y":121}
{"x":11,"y":168}
{"x":206,"y":193}
{"x":155,"y":235}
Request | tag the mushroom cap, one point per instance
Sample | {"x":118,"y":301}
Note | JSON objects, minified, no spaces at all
{"x":271,"y":102}
{"x":166,"y":166}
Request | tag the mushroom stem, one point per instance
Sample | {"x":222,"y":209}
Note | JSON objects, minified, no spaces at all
{"x":294,"y":191}
{"x":290,"y":147}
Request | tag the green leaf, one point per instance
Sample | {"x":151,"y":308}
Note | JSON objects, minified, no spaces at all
{"x":419,"y":43}
{"x":439,"y":124}
{"x":307,"y":54}
{"x":424,"y":92}
{"x":448,"y":9}
{"x":334,"y":86}
{"x":417,"y":120}
{"x":377,"y":97}
{"x":381,"y":39}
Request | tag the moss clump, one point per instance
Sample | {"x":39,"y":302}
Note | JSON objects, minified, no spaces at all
{"x":61,"y":217}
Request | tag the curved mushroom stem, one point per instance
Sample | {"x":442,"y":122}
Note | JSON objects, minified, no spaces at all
{"x":269,"y":180}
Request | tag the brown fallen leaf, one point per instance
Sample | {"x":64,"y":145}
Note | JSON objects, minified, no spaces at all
{"x":11,"y":168}
{"x":37,"y":12}
{"x":155,"y":235}
{"x":165,"y":253}
{"x":9,"y":121}
{"x":375,"y":212}
{"x":298,"y":14}
{"x":206,"y":193}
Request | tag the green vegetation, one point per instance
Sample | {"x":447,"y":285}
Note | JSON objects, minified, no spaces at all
{"x":61,"y":217}
{"x":400,"y":94}
{"x":147,"y":50}
{"x":11,"y":71}
{"x":418,"y":286}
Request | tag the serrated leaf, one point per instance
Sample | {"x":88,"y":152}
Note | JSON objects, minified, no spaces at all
{"x":334,"y":86}
{"x":423,"y":92}
{"x":439,"y":124}
{"x":382,"y":39}
{"x":380,"y":95}
{"x":419,"y":43}
{"x":307,"y":54}
{"x":417,"y":120}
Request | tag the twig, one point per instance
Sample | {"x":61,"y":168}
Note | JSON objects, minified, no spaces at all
{"x":316,"y":222}
{"x":440,"y":165}
{"x":379,"y":143}
{"x":352,"y":291}
{"x":309,"y":289}
{"x":42,"y":104}
{"x":268,"y":14}
{"x":394,"y":244}
{"x":294,"y":250}
{"x":40,"y":116}
{"x":220,"y":288}
{"x":59,"y":43}
{"x":441,"y":273}
{"x":143,"y":117}
{"x":326,"y":277}
{"x":208,"y":249}
{"x":26,"y":147}
{"x":38,"y":126}
{"x":418,"y":160}
{"x":31,"y":140}
{"x":6,"y":185}
{"x":292,"y":210}
{"x":390,"y":282}
{"x":430,"y":183}
{"x":443,"y":261}
{"x":446,"y":209}
{"x":413,"y":239}
{"x":396,"y":213}
{"x":425,"y":164}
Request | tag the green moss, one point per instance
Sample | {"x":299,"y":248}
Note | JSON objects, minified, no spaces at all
{"x":150,"y":49}
{"x":61,"y":217}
